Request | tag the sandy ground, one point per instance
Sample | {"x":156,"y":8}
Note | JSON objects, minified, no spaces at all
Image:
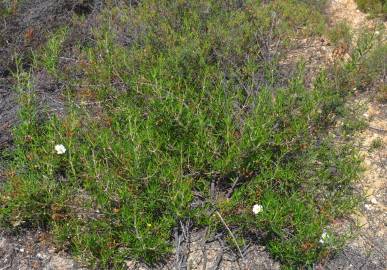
{"x":368,"y":250}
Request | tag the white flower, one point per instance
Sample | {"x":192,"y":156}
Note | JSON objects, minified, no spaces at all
{"x":60,"y":149}
{"x":257,"y":208}
{"x":324,"y":237}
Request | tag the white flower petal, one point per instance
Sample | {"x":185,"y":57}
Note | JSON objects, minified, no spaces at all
{"x":324,"y":237}
{"x":60,"y":149}
{"x":257,"y":208}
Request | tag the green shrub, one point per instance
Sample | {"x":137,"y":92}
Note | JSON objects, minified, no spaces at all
{"x":340,"y":34}
{"x":382,"y":93}
{"x":7,"y":7}
{"x":176,"y":97}
{"x":49,"y":56}
{"x":373,"y":6}
{"x":366,"y":67}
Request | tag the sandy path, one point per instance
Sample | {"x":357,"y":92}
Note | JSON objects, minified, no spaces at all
{"x":369,"y":249}
{"x":346,"y":10}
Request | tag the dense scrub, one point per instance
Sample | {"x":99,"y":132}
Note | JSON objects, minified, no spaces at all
{"x":178,"y":111}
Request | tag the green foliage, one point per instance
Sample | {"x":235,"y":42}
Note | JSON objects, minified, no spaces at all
{"x":373,"y":6}
{"x":49,"y":57}
{"x":382,"y":93}
{"x":7,"y":7}
{"x":340,"y":34}
{"x":174,"y":96}
{"x":376,"y":144}
{"x":366,"y":66}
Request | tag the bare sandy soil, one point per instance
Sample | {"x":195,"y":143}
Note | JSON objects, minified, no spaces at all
{"x":368,"y":250}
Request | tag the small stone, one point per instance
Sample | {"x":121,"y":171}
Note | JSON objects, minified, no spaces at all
{"x":130,"y":264}
{"x":373,"y":200}
{"x":40,"y":256}
{"x":21,"y":250}
{"x":368,"y":207}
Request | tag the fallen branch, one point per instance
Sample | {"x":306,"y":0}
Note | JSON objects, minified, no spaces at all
{"x":204,"y":250}
{"x":378,"y":129}
{"x":230,"y":232}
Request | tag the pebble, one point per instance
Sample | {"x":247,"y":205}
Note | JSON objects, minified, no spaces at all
{"x":373,"y":200}
{"x":40,"y":256}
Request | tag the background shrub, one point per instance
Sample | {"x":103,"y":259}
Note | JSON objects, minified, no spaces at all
{"x":373,"y":6}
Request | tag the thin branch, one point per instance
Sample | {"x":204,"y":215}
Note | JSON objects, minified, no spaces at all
{"x":378,"y":129}
{"x":204,"y":250}
{"x":218,"y":260}
{"x":230,"y":232}
{"x":231,"y":191}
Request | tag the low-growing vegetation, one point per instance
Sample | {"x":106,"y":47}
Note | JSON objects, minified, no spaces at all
{"x":7,"y":7}
{"x":178,"y":113}
{"x":375,"y":7}
{"x":340,"y":34}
